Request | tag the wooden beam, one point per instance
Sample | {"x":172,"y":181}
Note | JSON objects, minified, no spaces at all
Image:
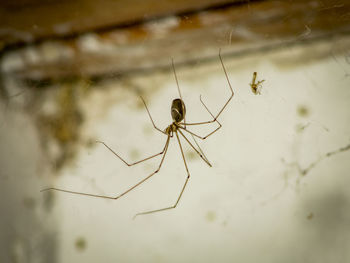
{"x":190,"y":37}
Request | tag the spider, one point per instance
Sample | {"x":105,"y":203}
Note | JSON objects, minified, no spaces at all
{"x":178,"y":126}
{"x":256,"y":87}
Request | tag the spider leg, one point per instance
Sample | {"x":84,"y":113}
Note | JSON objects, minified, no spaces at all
{"x":229,"y":99}
{"x":149,"y":114}
{"x":182,"y":190}
{"x":125,"y":192}
{"x":177,"y":84}
{"x":199,"y":148}
{"x":131,"y":164}
{"x":200,"y":152}
{"x":212,"y":132}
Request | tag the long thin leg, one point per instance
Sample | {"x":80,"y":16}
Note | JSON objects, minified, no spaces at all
{"x":229,"y":99}
{"x":127,"y":191}
{"x":149,"y":114}
{"x":200,"y":98}
{"x":199,"y":148}
{"x":131,"y":164}
{"x":178,"y":87}
{"x":212,"y":132}
{"x":182,"y":190}
{"x":199,"y":153}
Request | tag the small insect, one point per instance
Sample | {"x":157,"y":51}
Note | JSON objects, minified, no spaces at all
{"x":177,"y":127}
{"x":256,"y":87}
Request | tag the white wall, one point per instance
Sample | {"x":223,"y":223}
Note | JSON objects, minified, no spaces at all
{"x":253,"y":204}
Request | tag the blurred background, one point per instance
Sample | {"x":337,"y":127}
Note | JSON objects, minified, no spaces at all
{"x":71,"y":73}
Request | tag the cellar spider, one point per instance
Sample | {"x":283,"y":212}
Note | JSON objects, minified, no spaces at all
{"x":256,"y":87}
{"x":178,"y":126}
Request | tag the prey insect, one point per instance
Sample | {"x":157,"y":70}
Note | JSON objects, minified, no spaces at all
{"x":256,"y":87}
{"x":179,"y":127}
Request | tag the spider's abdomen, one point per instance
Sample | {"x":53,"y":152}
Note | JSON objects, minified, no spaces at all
{"x":178,"y":110}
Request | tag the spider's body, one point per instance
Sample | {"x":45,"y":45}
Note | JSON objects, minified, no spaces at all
{"x":171,"y":129}
{"x":177,"y":127}
{"x":178,"y":112}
